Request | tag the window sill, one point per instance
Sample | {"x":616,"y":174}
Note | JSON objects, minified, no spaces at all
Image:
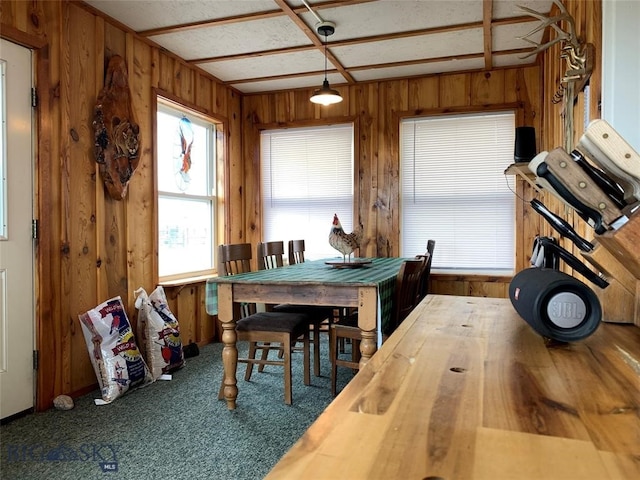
{"x":475,"y":276}
{"x":182,"y":282}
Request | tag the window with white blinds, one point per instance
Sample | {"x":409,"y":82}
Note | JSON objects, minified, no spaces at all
{"x":306,"y":177}
{"x":453,"y":190}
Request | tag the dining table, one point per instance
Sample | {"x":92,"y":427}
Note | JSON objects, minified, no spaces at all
{"x":364,"y":284}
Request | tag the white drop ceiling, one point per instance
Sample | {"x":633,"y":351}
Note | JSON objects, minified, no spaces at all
{"x":259,"y":46}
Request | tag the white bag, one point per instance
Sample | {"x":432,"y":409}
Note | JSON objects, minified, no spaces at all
{"x":159,"y":333}
{"x":112,"y":347}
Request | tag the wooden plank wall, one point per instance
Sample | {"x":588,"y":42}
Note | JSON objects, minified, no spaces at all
{"x":93,"y":248}
{"x":588,"y":21}
{"x":376,"y":109}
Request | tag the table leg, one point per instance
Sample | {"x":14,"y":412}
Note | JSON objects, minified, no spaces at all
{"x":368,"y":346}
{"x":230,"y":350}
{"x":367,"y":320}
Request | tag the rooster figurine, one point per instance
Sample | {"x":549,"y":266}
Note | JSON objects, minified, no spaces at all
{"x":345,"y":243}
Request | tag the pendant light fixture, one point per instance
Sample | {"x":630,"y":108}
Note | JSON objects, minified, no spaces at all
{"x":326,"y":95}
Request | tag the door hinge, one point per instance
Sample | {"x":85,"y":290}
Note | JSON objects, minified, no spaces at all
{"x":36,"y":359}
{"x":34,"y":229}
{"x":34,"y":97}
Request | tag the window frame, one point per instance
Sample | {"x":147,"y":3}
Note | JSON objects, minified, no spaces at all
{"x":350,"y":120}
{"x":518,"y":113}
{"x":216,"y":196}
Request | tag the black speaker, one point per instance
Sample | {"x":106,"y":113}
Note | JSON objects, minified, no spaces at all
{"x":555,"y":304}
{"x":525,"y":148}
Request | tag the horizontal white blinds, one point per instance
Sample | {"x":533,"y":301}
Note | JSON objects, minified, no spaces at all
{"x":307,"y":176}
{"x":453,"y":190}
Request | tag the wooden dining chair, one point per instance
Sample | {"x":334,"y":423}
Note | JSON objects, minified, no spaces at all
{"x":271,"y":255}
{"x":264,"y":331}
{"x":295,"y":251}
{"x":407,"y":286}
{"x":405,"y":300}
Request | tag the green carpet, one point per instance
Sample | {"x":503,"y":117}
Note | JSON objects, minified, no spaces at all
{"x":174,"y":429}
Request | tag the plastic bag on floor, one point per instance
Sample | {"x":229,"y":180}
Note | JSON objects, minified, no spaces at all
{"x":159,"y":333}
{"x":113,"y":350}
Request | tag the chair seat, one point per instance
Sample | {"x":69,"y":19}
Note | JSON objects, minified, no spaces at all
{"x":315,"y":312}
{"x":293,"y":323}
{"x":319,"y":319}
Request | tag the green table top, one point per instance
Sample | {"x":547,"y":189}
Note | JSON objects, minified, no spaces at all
{"x":381,"y":272}
{"x":318,"y":272}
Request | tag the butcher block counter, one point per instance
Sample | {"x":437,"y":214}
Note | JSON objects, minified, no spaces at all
{"x":465,"y":389}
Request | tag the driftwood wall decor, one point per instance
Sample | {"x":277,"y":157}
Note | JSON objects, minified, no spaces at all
{"x":117,"y":135}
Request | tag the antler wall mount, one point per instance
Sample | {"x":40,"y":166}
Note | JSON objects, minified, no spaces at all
{"x":577,"y":54}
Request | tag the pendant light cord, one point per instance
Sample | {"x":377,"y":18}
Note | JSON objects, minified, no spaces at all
{"x":325,"y":56}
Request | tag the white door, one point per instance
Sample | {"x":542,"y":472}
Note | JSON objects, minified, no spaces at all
{"x":16,"y":244}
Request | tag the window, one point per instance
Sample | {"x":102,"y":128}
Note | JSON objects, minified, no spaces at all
{"x":307,"y":176}
{"x":453,"y":189}
{"x":185,"y":172}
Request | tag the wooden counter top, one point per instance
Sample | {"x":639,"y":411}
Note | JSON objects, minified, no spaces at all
{"x":465,"y":389}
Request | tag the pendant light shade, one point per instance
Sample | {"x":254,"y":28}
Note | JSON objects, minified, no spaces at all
{"x":325,"y":95}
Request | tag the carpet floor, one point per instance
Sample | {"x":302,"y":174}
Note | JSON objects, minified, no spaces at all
{"x":175,"y":429}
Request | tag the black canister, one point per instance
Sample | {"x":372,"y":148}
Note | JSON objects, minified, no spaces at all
{"x":525,"y":144}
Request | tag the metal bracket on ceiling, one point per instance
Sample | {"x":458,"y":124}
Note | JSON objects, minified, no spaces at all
{"x":325,"y":29}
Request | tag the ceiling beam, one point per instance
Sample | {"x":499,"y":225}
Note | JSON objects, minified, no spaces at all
{"x":243,"y":18}
{"x":313,"y":36}
{"x":468,"y":56}
{"x":343,"y":43}
{"x":356,"y":41}
{"x":487,"y":15}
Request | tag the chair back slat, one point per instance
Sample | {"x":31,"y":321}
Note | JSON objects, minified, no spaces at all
{"x":296,"y":251}
{"x":270,"y":255}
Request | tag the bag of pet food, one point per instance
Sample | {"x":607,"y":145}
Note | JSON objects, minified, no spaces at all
{"x":112,"y":347}
{"x":159,"y":333}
